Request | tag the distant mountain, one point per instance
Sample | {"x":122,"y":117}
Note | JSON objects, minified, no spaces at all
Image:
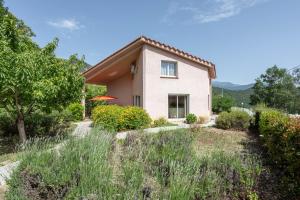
{"x":231,"y":86}
{"x":239,"y":96}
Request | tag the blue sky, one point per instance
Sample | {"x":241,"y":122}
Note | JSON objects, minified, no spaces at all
{"x":242,"y":37}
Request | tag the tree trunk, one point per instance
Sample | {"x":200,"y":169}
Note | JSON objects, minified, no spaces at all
{"x":21,"y":129}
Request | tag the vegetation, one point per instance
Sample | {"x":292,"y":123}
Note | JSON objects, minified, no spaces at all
{"x":81,"y":169}
{"x":222,"y":103}
{"x":238,"y":120}
{"x":90,"y":92}
{"x":191,"y":118}
{"x":160,"y":122}
{"x":281,"y":137}
{"x":133,"y":118}
{"x":169,"y":165}
{"x":241,"y":98}
{"x":37,"y":124}
{"x":116,"y":118}
{"x":277,"y":89}
{"x":33,"y":78}
{"x":107,"y":116}
{"x":76,"y":111}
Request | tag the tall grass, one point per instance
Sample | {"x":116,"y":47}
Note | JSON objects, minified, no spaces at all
{"x":179,"y":174}
{"x":161,"y":166}
{"x":78,"y":168}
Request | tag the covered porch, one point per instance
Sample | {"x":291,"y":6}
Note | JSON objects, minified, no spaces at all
{"x":121,"y":73}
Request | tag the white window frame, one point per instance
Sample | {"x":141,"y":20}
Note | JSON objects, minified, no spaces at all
{"x":168,"y":69}
{"x":187,"y":104}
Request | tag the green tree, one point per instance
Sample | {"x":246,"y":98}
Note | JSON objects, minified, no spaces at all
{"x":222,"y":103}
{"x":276,"y":88}
{"x":32,"y":77}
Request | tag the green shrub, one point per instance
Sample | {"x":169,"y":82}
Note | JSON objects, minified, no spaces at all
{"x":132,"y":118}
{"x":76,"y":111}
{"x":7,"y":124}
{"x":224,"y":120}
{"x":238,"y":120}
{"x":107,"y":116}
{"x":160,"y":122}
{"x":222,"y":103}
{"x":191,"y":118}
{"x":43,"y":124}
{"x":116,"y":118}
{"x":37,"y":124}
{"x":281,"y":137}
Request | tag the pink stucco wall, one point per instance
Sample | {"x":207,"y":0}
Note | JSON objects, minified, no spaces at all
{"x":128,"y":85}
{"x":193,"y":80}
{"x":137,"y":81}
{"x":122,"y":89}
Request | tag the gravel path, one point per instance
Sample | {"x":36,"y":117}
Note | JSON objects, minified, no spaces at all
{"x":82,"y":129}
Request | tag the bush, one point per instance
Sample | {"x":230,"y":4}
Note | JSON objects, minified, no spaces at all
{"x":37,"y":124}
{"x":238,"y":120}
{"x":203,"y":119}
{"x":44,"y":124}
{"x":160,"y":122}
{"x":281,"y":137}
{"x":76,"y":111}
{"x":191,"y":118}
{"x":220,"y":103}
{"x":132,"y":118}
{"x":7,"y":124}
{"x":116,"y":118}
{"x":107,"y":116}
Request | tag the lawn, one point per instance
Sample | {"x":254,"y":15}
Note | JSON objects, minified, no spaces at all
{"x":183,"y":164}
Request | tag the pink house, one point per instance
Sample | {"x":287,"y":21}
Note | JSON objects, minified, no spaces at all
{"x":163,"y":80}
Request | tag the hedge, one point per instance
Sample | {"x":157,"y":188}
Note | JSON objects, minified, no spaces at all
{"x":281,"y":136}
{"x":117,"y":118}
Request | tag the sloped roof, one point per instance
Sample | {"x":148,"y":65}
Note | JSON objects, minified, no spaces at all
{"x":145,"y":40}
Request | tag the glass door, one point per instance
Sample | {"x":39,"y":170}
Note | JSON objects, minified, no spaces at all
{"x":178,"y":106}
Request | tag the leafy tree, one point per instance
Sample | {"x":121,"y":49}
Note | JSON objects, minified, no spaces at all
{"x":32,"y":77}
{"x":222,"y":103}
{"x":276,"y":88}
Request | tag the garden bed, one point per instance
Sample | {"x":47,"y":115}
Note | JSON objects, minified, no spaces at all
{"x":180,"y":164}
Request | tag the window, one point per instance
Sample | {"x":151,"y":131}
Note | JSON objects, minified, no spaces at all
{"x":178,"y":106}
{"x":168,"y":69}
{"x":137,"y":101}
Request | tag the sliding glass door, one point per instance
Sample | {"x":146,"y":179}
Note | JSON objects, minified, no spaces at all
{"x":178,"y":106}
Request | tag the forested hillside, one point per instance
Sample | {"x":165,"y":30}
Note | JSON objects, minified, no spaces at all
{"x":239,"y":96}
